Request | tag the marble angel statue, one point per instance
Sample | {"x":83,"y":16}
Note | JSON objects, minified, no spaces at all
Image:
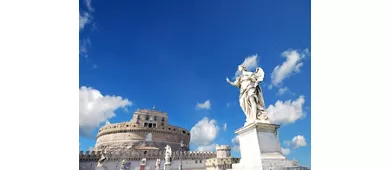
{"x":251,"y":96}
{"x":168,"y":154}
{"x":158,"y":161}
{"x":102,"y":159}
{"x":123,"y":164}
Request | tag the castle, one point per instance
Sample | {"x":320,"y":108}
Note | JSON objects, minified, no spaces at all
{"x":141,"y":141}
{"x":147,"y":130}
{"x":140,"y":145}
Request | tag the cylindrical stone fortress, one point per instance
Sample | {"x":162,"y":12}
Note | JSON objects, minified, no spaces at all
{"x":147,"y":130}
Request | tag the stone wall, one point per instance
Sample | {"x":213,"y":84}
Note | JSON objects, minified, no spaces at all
{"x":190,"y":160}
{"x":150,"y":164}
{"x":130,"y":138}
{"x":139,"y":154}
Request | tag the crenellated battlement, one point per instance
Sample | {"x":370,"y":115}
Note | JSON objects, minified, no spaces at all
{"x":153,"y":111}
{"x":139,"y":154}
{"x":223,"y":147}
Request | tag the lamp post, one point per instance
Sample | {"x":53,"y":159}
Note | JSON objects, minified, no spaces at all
{"x":181,"y":149}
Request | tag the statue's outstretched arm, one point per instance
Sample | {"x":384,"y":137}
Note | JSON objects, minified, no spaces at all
{"x":232,"y":83}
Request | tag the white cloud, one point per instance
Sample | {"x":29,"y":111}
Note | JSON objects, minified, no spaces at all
{"x":206,"y":105}
{"x":281,"y":91}
{"x":94,"y":109}
{"x":236,"y":144}
{"x":204,"y":132}
{"x":107,"y":122}
{"x":298,"y":141}
{"x":225,"y":127}
{"x":286,"y":112}
{"x":84,"y":45}
{"x":88,"y":5}
{"x":250,"y":63}
{"x":84,"y":19}
{"x":292,"y":65}
{"x":206,"y":148}
{"x":286,"y":151}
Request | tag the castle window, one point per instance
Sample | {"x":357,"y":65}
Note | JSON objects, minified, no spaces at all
{"x":174,"y":129}
{"x":169,"y":128}
{"x":162,"y":124}
{"x":196,"y":161}
{"x":150,"y":125}
{"x":155,"y":118}
{"x":154,"y":125}
{"x":127,"y":125}
{"x":200,"y":161}
{"x":184,"y":132}
{"x":162,"y":119}
{"x":147,"y":117}
{"x":138,"y":116}
{"x":145,"y":124}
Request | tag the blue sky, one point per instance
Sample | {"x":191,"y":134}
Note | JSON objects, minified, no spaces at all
{"x":176,"y":54}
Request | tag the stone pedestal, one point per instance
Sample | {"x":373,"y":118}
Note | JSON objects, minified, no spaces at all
{"x":258,"y":141}
{"x":167,"y":166}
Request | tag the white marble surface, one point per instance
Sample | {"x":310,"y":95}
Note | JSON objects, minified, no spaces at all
{"x":251,"y":95}
{"x":258,"y":141}
{"x":250,"y":150}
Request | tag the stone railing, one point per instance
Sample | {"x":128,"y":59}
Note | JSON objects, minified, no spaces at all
{"x":138,"y":155}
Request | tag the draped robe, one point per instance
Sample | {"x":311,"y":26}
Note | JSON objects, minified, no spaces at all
{"x":249,"y":88}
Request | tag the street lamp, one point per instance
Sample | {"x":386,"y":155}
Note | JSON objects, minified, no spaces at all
{"x":181,"y":149}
